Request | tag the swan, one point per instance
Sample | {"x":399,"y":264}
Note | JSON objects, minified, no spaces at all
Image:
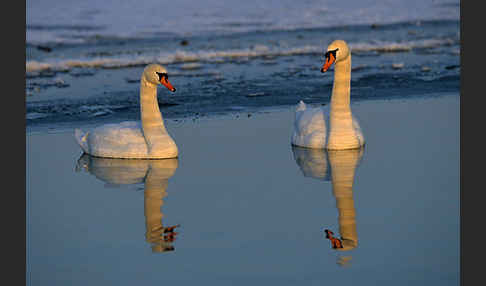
{"x":147,"y":139}
{"x":310,"y":123}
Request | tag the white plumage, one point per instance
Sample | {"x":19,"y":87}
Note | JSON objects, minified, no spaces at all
{"x":310,"y":129}
{"x":145,"y":139}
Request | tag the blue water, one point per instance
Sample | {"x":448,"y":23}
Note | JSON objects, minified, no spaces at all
{"x":251,"y":208}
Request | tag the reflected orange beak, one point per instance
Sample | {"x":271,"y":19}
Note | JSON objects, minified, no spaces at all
{"x":165,"y":82}
{"x":329,"y":61}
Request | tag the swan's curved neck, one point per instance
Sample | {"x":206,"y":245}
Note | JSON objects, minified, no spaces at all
{"x":341,"y":88}
{"x":152,"y":123}
{"x":341,"y":133}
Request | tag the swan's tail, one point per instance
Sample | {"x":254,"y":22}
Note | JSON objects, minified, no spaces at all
{"x":81,"y":138}
{"x":300,"y":106}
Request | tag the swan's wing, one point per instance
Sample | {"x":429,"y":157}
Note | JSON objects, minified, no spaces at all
{"x":112,"y":140}
{"x":124,"y":132}
{"x":309,"y":127}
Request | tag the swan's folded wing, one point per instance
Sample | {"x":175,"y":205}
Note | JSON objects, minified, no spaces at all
{"x":117,"y":140}
{"x":310,"y":128}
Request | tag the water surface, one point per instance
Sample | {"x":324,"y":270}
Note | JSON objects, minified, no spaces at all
{"x":251,"y":208}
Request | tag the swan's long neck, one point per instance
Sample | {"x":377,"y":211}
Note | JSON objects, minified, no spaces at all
{"x":152,"y":123}
{"x":341,"y":133}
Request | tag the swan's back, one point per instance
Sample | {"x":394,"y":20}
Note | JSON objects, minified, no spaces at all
{"x":122,"y":140}
{"x":309,"y":127}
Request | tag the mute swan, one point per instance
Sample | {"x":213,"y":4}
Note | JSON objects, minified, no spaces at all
{"x":310,"y":123}
{"x":147,"y":139}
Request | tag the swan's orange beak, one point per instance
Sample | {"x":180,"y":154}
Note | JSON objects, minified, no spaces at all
{"x":329,"y":61}
{"x":165,"y":82}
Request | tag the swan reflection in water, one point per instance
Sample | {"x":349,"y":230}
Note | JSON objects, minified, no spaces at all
{"x":339,"y":167}
{"x":154,"y":174}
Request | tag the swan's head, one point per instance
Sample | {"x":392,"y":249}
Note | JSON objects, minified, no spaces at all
{"x":156,"y":74}
{"x":337,"y":51}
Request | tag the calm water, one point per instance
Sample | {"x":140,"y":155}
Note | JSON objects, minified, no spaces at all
{"x":84,"y":58}
{"x":247,"y":207}
{"x":251,"y":208}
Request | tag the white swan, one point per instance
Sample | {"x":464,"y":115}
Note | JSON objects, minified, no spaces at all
{"x":147,"y":139}
{"x":310,"y":123}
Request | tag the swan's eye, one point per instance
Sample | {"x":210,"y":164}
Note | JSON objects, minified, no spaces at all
{"x":162,"y":75}
{"x":333,"y":53}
